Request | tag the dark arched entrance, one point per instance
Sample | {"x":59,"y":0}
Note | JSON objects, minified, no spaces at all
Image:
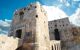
{"x":18,"y":33}
{"x":56,"y":34}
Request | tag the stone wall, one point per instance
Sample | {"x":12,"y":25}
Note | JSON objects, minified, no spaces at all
{"x":8,"y":43}
{"x":69,"y":34}
{"x":31,"y":23}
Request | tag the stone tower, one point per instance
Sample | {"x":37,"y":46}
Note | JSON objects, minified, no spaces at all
{"x":61,"y":30}
{"x":30,"y":25}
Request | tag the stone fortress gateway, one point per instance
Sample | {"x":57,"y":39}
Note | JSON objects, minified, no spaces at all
{"x":30,"y":25}
{"x":63,"y":30}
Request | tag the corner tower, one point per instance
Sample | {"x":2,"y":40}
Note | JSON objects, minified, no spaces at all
{"x":30,"y":24}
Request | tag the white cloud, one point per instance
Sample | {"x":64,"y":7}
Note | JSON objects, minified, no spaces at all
{"x":0,"y":29}
{"x":79,"y":4}
{"x":62,"y":1}
{"x":54,"y":13}
{"x":4,"y":26}
{"x":4,"y":23}
{"x":3,"y":32}
{"x":65,"y":2}
{"x":75,"y":18}
{"x":8,"y":21}
{"x":76,"y":0}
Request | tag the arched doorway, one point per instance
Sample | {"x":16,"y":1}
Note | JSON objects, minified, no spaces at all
{"x":56,"y":34}
{"x":18,"y":33}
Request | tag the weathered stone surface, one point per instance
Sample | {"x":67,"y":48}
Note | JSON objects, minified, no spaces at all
{"x":31,"y":27}
{"x":8,"y":43}
{"x":69,"y":34}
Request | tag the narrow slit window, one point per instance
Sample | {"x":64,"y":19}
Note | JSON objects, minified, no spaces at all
{"x":21,"y":15}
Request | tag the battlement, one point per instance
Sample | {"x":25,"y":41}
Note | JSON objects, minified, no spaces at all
{"x":28,"y":8}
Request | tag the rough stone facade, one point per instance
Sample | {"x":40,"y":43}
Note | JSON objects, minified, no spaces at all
{"x":30,"y":25}
{"x":63,"y":27}
{"x":8,"y":43}
{"x":63,"y":30}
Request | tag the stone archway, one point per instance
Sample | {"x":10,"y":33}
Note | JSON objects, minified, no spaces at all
{"x":18,"y":33}
{"x":57,"y":34}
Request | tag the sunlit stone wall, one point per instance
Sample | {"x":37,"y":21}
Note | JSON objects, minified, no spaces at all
{"x":8,"y":43}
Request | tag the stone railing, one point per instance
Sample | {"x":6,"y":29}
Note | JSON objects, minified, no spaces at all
{"x":55,"y":45}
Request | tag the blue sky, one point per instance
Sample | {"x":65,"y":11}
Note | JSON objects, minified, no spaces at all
{"x":7,"y":7}
{"x":69,"y":8}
